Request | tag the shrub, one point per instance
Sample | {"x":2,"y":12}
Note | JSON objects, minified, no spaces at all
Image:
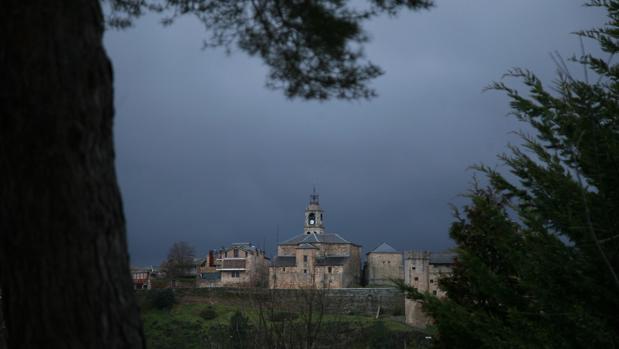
{"x":162,"y":299}
{"x":208,"y":313}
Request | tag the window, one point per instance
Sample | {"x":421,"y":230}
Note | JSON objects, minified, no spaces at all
{"x":304,"y":258}
{"x":236,"y":252}
{"x":416,"y":278}
{"x":388,"y":262}
{"x":304,"y":271}
{"x":413,"y":268}
{"x":329,"y":270}
{"x":245,"y":253}
{"x":226,"y":254}
{"x":236,"y":274}
{"x":431,"y":281}
{"x":284,"y":269}
{"x":434,"y":293}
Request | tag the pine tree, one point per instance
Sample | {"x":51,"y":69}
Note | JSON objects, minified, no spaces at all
{"x":538,"y":256}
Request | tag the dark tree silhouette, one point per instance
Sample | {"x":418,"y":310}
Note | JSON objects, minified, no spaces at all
{"x":180,"y":260}
{"x":64,"y":270}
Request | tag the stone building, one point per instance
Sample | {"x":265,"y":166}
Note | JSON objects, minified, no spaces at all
{"x":422,"y":270}
{"x":383,"y":265}
{"x":315,"y":258}
{"x":239,"y":265}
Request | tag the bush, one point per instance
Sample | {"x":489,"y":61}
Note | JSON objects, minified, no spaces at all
{"x":162,"y":299}
{"x":208,"y":313}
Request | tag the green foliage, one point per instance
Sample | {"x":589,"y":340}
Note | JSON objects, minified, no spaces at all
{"x":208,"y":313}
{"x":538,"y":258}
{"x":162,"y":299}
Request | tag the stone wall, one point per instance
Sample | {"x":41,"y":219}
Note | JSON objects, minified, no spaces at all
{"x":340,"y":301}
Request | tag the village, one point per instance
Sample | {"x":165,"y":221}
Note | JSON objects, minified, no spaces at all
{"x":313,"y":259}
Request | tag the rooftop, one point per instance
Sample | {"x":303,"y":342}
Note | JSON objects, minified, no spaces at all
{"x":384,"y":248}
{"x":326,"y":238}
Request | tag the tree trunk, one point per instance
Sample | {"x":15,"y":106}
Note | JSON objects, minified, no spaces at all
{"x":64,"y":270}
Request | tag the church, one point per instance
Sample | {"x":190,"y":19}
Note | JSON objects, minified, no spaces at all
{"x":315,"y":258}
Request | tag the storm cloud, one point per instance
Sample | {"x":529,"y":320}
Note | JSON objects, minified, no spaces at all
{"x":208,"y":155}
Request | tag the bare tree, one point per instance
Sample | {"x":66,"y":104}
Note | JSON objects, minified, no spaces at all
{"x":180,"y":260}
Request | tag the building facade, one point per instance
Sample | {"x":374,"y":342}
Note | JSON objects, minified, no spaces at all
{"x":141,"y":278}
{"x":239,"y":265}
{"x":315,"y":258}
{"x":384,"y":264}
{"x":422,"y":270}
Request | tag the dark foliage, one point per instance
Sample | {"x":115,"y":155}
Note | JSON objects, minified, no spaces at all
{"x":208,"y":313}
{"x":538,"y":259}
{"x":162,"y":299}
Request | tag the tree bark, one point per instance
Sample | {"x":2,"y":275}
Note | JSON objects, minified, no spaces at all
{"x":64,"y":269}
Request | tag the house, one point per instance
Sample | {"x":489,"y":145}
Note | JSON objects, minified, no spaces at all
{"x":239,"y":265}
{"x":141,"y":278}
{"x":315,"y":258}
{"x":383,"y":265}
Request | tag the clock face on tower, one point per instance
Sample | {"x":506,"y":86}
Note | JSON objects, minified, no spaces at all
{"x":311,"y":219}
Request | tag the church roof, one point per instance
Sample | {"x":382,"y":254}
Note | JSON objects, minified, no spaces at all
{"x":326,"y":238}
{"x":284,"y":261}
{"x":331,"y":261}
{"x":384,"y":248}
{"x":305,"y":245}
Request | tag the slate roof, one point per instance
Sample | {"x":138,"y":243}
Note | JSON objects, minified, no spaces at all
{"x":331,"y":261}
{"x":384,"y":248}
{"x":326,"y":238}
{"x":247,"y":246}
{"x":284,"y":261}
{"x":305,"y":245}
{"x":443,"y":258}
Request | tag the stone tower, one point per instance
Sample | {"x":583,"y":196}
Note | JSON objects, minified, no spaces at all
{"x":313,"y":216}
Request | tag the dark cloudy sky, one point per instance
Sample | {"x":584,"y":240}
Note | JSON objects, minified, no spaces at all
{"x":208,"y":155}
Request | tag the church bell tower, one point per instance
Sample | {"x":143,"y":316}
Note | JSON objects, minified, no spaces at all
{"x":314,"y":216}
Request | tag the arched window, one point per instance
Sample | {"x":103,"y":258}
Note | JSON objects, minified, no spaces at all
{"x":311,"y":218}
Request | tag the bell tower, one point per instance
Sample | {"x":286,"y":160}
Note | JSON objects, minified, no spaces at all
{"x":314,"y":216}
